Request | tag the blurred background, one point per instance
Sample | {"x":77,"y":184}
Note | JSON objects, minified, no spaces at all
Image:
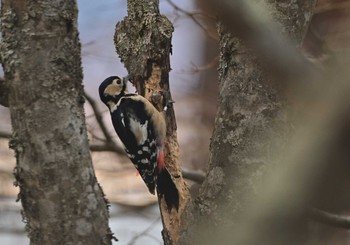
{"x":193,"y":80}
{"x":134,"y":212}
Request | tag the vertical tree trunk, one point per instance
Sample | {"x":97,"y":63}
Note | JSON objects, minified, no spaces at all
{"x":40,"y":53}
{"x":143,"y":42}
{"x":3,"y":93}
{"x":249,"y":113}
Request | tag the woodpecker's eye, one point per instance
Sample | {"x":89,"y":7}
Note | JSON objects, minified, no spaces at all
{"x":119,"y":81}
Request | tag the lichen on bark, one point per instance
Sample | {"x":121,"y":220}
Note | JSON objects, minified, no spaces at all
{"x":143,"y":43}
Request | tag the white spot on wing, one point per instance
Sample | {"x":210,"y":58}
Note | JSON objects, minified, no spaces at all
{"x":131,"y":156}
{"x":139,"y":130}
{"x":122,"y":118}
{"x":144,"y":161}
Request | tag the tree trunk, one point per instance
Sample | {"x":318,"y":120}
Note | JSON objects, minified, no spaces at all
{"x":250,"y":118}
{"x":3,"y":93}
{"x":143,"y":42}
{"x":61,"y":199}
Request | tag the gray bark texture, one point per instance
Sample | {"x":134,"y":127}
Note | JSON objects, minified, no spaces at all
{"x":143,"y":42}
{"x":251,"y":124}
{"x":40,"y":52}
{"x":3,"y":93}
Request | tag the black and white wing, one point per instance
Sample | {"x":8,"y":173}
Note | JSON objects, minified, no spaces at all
{"x":133,"y":123}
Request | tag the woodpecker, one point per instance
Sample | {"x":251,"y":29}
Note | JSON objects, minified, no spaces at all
{"x":142,"y":130}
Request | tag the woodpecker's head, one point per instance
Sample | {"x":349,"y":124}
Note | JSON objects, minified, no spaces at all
{"x":111,"y":89}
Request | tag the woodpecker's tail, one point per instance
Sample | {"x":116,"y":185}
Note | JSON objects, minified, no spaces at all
{"x":167,"y":188}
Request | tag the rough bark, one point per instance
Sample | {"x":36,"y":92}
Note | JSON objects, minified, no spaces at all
{"x":3,"y":93}
{"x":143,"y":42}
{"x":250,"y":118}
{"x":40,"y":52}
{"x":250,"y":21}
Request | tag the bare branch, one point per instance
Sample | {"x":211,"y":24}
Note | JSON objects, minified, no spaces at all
{"x":107,"y":147}
{"x":331,"y":6}
{"x":334,"y":220}
{"x":195,"y":176}
{"x":96,"y":137}
{"x":145,"y":233}
{"x":211,"y":64}
{"x":13,"y":231}
{"x":110,"y":145}
{"x":5,"y":134}
{"x":193,"y":16}
{"x":98,"y":116}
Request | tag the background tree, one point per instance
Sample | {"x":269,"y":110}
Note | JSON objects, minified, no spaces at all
{"x":251,"y":123}
{"x":40,"y":53}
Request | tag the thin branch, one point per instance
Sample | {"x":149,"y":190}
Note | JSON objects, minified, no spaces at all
{"x":193,"y":17}
{"x":95,"y":137}
{"x":334,"y":220}
{"x":112,"y":147}
{"x":195,"y":176}
{"x":107,"y":147}
{"x":5,"y":134}
{"x":110,"y":144}
{"x":98,"y":116}
{"x":203,"y":15}
{"x":145,"y":233}
{"x":13,"y":231}
{"x":211,"y":64}
{"x":331,"y":6}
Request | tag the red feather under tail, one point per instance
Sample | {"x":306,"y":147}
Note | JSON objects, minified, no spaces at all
{"x":165,"y":184}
